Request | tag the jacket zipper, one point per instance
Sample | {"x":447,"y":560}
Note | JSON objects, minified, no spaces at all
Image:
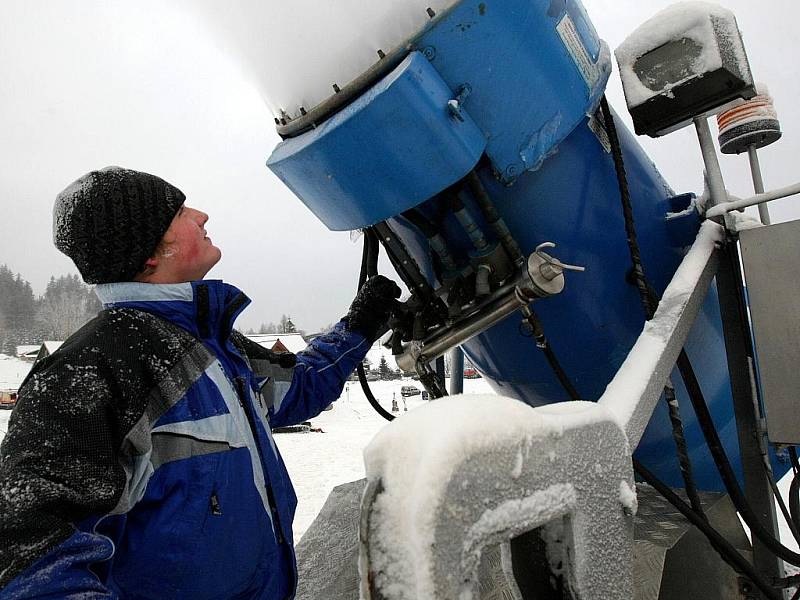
{"x":216,"y":509}
{"x":245,"y":404}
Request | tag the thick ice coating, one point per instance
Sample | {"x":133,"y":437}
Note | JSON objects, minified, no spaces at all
{"x":419,"y":460}
{"x":694,"y":21}
{"x":295,"y":52}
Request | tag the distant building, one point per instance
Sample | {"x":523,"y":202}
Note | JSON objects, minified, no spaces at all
{"x":280,"y":342}
{"x":28,"y":352}
{"x":13,"y":371}
{"x":47,"y":348}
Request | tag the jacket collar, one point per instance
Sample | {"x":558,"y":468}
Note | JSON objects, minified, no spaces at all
{"x":206,"y":308}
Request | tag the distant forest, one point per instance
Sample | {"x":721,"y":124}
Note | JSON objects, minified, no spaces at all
{"x":67,"y":303}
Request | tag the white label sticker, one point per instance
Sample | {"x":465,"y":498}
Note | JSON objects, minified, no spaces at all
{"x":572,"y":40}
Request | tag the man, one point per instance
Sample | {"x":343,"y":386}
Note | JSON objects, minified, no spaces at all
{"x":139,"y":461}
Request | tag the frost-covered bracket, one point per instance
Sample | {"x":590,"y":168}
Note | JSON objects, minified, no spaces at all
{"x":635,"y":389}
{"x":465,"y":474}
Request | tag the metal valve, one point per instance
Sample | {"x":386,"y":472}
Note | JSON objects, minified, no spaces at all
{"x":552,"y":267}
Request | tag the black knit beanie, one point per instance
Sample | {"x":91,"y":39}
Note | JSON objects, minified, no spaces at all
{"x":109,"y":222}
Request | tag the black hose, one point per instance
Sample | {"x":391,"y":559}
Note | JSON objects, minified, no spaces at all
{"x":369,"y":267}
{"x":627,"y":210}
{"x":420,"y":222}
{"x":724,"y":466}
{"x":372,"y":254}
{"x":453,"y":200}
{"x":492,"y":217}
{"x":794,"y":500}
{"x":648,"y":298}
{"x":562,"y":376}
{"x":544,"y":345}
{"x":720,"y":544}
{"x":779,"y":499}
{"x":683,"y":454}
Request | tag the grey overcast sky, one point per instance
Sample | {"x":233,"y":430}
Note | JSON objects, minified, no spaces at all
{"x":90,"y":83}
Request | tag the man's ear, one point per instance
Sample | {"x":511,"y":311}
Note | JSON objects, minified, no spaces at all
{"x":151,"y":263}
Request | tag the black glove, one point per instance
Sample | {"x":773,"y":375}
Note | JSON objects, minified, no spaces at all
{"x":372,"y":306}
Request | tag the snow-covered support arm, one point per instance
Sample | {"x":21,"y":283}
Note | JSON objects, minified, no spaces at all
{"x":464,"y":474}
{"x":633,"y":393}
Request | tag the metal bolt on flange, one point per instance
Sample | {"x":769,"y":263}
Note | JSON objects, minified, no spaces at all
{"x":429,"y":52}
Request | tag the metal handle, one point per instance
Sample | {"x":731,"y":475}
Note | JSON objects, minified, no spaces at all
{"x":552,"y":267}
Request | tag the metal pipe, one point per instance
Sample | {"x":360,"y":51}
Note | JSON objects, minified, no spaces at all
{"x":725,"y":207}
{"x":456,"y":371}
{"x":716,"y":183}
{"x":464,"y":331}
{"x":542,"y":277}
{"x":758,"y":183}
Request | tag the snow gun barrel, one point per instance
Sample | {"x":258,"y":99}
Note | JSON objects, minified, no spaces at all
{"x":466,"y":153}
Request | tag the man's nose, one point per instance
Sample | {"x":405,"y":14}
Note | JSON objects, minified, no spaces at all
{"x":202,"y":217}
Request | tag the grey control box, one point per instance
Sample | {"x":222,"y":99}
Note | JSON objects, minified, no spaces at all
{"x":771,"y":259}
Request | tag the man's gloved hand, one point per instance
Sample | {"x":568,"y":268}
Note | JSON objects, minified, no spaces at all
{"x":372,"y":306}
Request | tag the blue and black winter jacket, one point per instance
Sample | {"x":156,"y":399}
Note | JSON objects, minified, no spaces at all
{"x":139,"y":461}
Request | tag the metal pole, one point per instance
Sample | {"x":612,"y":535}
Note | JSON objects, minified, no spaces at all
{"x":737,"y":346}
{"x":456,"y":371}
{"x":758,"y":183}
{"x":440,"y":374}
{"x":726,"y":207}
{"x":716,"y":184}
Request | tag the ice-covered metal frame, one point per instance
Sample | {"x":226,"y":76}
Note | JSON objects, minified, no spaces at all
{"x":564,"y":468}
{"x":633,"y":393}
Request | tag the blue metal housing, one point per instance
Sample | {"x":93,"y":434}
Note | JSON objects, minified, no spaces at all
{"x":346,"y":181}
{"x":529,"y":74}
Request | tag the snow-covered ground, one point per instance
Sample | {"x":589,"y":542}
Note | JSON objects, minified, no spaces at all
{"x":318,"y":462}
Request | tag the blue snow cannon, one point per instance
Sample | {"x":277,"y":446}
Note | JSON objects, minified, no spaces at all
{"x":466,"y":151}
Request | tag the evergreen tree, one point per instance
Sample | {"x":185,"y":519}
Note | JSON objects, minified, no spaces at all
{"x":384,"y":370}
{"x":67,"y":304}
{"x":17,"y":311}
{"x":286,"y":325}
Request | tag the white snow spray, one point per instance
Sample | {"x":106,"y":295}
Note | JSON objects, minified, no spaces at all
{"x":295,"y":52}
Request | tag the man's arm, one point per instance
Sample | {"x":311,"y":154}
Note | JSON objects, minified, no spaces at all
{"x":58,"y":468}
{"x":323,"y":368}
{"x":319,"y":375}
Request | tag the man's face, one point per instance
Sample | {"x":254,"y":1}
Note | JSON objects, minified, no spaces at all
{"x":188,"y":254}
